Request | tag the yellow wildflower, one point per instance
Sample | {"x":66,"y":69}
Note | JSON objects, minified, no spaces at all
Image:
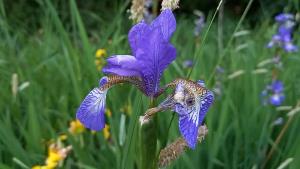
{"x":39,"y":167}
{"x":106,"y":132}
{"x":53,"y":155}
{"x":100,"y":53}
{"x":76,"y":127}
{"x":56,"y":154}
{"x":99,"y":62}
{"x":62,"y":137}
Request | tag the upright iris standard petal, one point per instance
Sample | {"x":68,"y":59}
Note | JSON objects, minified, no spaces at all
{"x":91,"y":111}
{"x":153,"y":58}
{"x":137,"y":34}
{"x":166,"y":23}
{"x":151,"y":49}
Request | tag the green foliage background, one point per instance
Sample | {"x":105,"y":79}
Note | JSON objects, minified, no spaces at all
{"x":51,"y":44}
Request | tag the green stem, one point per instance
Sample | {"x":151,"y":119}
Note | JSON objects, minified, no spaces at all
{"x":148,"y":142}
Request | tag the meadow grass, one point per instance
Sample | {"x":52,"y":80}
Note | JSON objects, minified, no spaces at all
{"x":58,"y":62}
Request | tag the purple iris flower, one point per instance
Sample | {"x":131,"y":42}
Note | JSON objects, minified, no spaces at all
{"x":188,"y":63}
{"x":276,"y":99}
{"x":283,"y":17}
{"x":277,"y":86}
{"x":191,"y":116}
{"x":277,"y":96}
{"x":199,"y":22}
{"x":283,"y":38}
{"x":191,"y":101}
{"x":151,"y":54}
{"x":273,"y":93}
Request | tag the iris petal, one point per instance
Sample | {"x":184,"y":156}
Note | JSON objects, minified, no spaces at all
{"x":91,"y":110}
{"x":153,"y":58}
{"x":206,"y":102}
{"x":166,"y":22}
{"x":120,"y":71}
{"x":123,"y":65}
{"x":151,"y":49}
{"x":188,"y":130}
{"x":192,"y":116}
{"x":137,"y":34}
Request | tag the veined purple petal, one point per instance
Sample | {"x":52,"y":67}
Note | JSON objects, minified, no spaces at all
{"x":188,"y":130}
{"x":153,"y":58}
{"x":166,"y":22}
{"x":91,"y":110}
{"x":103,"y":81}
{"x":191,"y":117}
{"x":138,"y":34}
{"x":206,"y":102}
{"x":151,"y":49}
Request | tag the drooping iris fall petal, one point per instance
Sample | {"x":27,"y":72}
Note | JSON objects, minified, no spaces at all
{"x":191,"y":115}
{"x":92,"y":109}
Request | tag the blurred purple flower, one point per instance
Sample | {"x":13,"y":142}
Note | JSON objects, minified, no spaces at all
{"x":283,"y":17}
{"x":199,"y":22}
{"x":273,"y":93}
{"x":283,"y":38}
{"x":188,"y":63}
{"x":152,"y":53}
{"x":276,"y":99}
{"x":277,"y":86}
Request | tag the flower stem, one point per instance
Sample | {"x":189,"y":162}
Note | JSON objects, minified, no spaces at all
{"x":148,"y":143}
{"x":277,"y":141}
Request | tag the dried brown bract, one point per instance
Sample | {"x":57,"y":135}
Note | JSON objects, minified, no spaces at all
{"x":175,"y":149}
